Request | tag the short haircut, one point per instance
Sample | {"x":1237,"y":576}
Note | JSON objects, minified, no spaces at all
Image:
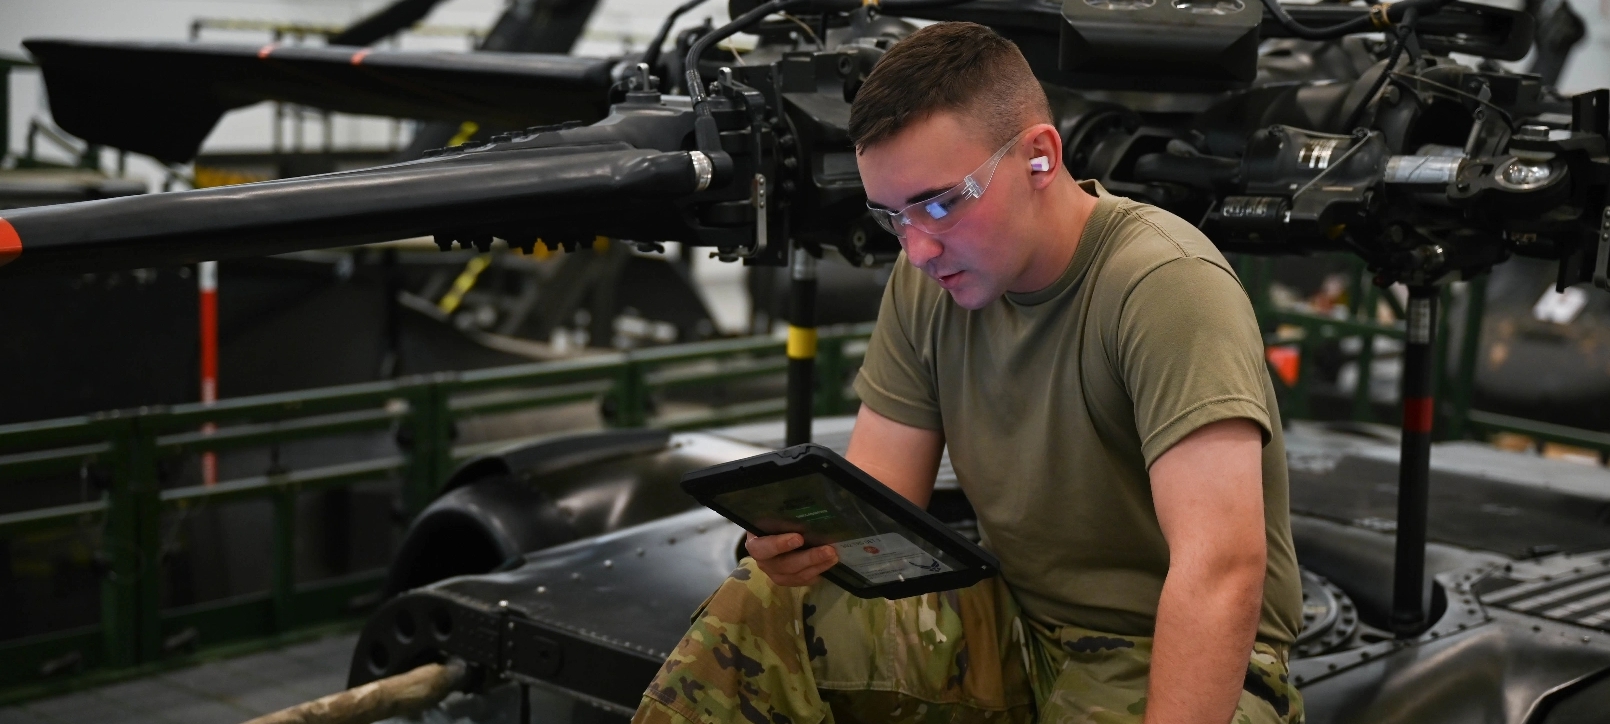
{"x":964,"y":68}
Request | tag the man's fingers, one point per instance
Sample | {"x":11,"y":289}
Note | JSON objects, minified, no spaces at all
{"x":797,"y":563}
{"x":765,"y":547}
{"x":811,"y":571}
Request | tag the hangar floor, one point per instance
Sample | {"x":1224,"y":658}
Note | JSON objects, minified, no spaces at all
{"x":220,"y":692}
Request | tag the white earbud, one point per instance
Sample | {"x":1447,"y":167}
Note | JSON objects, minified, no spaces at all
{"x":1040,"y":163}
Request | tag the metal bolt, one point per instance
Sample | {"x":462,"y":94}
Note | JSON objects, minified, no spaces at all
{"x":503,"y":604}
{"x":575,"y":576}
{"x":1533,"y":132}
{"x":609,"y":563}
{"x":542,"y":589}
{"x":640,"y":551}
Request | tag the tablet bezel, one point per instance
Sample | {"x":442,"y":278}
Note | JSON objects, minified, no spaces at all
{"x":800,"y":460}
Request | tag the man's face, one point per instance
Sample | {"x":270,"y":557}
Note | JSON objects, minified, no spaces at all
{"x":980,"y":257}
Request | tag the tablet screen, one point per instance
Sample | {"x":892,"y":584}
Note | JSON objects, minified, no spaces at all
{"x":869,"y":542}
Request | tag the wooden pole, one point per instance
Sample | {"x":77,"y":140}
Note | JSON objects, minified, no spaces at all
{"x":400,"y":695}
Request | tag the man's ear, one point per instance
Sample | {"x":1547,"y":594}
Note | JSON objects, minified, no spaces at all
{"x":1045,"y":155}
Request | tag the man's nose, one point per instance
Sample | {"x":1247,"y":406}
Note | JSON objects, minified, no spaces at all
{"x":921,"y":247}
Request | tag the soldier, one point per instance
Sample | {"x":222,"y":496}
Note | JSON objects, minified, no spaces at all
{"x":1097,"y":373}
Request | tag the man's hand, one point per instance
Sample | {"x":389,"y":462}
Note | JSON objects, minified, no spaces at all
{"x":902,"y":457}
{"x":1208,"y":492}
{"x":778,"y":557}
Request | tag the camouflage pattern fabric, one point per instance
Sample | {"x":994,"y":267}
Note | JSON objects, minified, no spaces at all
{"x":768,"y":654}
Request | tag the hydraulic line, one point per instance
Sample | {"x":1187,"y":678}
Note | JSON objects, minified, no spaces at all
{"x":1380,"y":18}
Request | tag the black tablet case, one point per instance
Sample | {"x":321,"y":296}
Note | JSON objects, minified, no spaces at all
{"x":710,"y":485}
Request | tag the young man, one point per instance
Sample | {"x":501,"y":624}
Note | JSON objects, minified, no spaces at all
{"x":1097,"y":372}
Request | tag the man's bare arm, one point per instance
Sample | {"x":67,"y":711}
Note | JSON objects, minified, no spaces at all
{"x":902,"y":457}
{"x":1208,"y":492}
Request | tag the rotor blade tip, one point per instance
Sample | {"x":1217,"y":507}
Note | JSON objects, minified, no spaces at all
{"x":10,"y":242}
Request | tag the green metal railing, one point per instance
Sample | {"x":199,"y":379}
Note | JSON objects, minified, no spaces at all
{"x":1455,"y":385}
{"x":128,"y":452}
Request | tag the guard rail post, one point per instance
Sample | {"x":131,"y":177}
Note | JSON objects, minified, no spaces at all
{"x":283,"y":576}
{"x":429,"y":439}
{"x":1364,"y":310}
{"x":1463,"y":390}
{"x":1441,"y":409}
{"x":131,"y":591}
{"x":630,"y":394}
{"x":830,"y":375}
{"x":1307,"y":349}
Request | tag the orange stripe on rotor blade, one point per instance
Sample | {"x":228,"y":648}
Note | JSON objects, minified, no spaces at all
{"x":265,"y":50}
{"x":357,"y":58}
{"x":10,"y":242}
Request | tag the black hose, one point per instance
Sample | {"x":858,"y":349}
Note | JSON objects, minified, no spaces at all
{"x":651,"y":55}
{"x":694,"y":82}
{"x":1400,"y":40}
{"x":1363,"y":24}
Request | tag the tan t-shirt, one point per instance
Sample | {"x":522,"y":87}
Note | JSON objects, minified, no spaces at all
{"x":1055,"y":403}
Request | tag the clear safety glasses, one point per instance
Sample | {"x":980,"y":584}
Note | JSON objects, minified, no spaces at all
{"x":938,"y":213}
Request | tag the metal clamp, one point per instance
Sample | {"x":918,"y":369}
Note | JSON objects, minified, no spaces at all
{"x":757,"y":197}
{"x":703,"y":170}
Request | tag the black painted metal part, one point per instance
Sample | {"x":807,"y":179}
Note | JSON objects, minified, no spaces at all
{"x":107,"y":90}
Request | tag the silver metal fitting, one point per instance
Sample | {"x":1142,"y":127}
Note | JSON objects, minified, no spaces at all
{"x":703,"y":170}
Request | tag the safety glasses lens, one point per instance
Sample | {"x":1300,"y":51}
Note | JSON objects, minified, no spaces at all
{"x":888,"y":221}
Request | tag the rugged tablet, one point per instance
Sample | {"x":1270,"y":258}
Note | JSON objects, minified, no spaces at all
{"x":888,"y":548}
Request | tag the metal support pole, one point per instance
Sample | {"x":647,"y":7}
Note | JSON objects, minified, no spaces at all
{"x":207,"y":285}
{"x":801,"y":346}
{"x":1414,"y":472}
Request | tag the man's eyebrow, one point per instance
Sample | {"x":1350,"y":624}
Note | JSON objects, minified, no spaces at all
{"x":914,"y":198}
{"x":930,"y":193}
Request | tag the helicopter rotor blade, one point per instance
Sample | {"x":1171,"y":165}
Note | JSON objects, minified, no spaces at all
{"x":163,"y":98}
{"x":384,"y":22}
{"x":549,"y":192}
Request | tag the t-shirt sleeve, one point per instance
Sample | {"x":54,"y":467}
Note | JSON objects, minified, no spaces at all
{"x":1190,"y":353}
{"x":896,"y":379}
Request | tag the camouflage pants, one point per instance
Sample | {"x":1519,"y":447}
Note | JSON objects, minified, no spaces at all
{"x":770,"y":654}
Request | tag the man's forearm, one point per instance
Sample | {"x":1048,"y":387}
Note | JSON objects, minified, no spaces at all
{"x":1206,"y":621}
